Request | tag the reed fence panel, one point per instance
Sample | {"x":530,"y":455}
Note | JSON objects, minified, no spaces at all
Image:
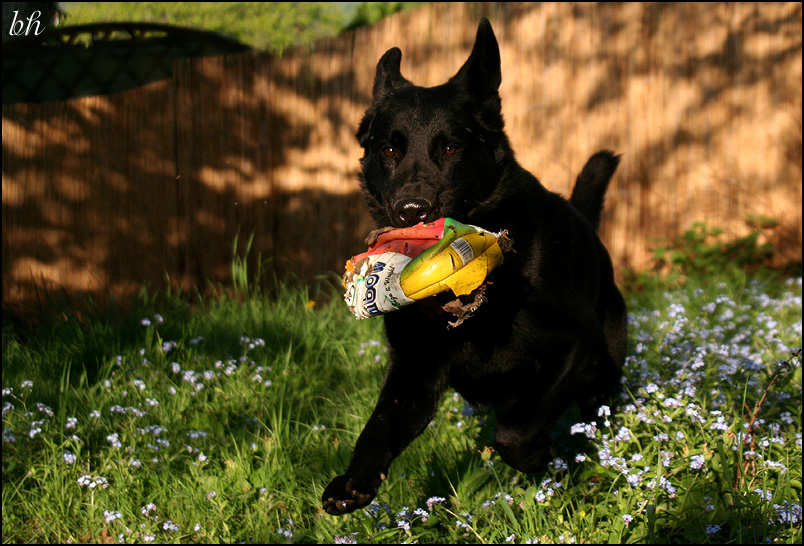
{"x":703,"y":101}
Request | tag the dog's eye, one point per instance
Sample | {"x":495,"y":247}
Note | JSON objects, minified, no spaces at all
{"x":449,"y":150}
{"x":388,"y":151}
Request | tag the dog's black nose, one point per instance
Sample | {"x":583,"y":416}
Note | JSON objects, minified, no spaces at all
{"x":409,"y":212}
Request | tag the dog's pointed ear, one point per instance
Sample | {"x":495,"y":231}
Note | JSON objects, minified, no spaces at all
{"x":388,"y":77}
{"x":481,"y":74}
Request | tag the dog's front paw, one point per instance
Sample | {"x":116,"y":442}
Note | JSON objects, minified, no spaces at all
{"x":350,"y":492}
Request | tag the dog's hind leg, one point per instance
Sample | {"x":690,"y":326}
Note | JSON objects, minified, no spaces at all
{"x":522,"y":448}
{"x":585,"y":374}
{"x":522,"y":438}
{"x":607,"y":371}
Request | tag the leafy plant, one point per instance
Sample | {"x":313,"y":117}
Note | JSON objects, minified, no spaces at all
{"x":704,"y":252}
{"x":274,"y":26}
{"x":368,"y":13}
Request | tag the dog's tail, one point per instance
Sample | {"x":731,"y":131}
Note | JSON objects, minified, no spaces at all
{"x":590,"y":188}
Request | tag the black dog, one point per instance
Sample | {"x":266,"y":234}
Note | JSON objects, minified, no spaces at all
{"x":552,"y":328}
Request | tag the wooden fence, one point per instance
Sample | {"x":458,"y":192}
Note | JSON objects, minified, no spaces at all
{"x":703,"y":100}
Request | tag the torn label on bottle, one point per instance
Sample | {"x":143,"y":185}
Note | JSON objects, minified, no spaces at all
{"x":372,"y":288}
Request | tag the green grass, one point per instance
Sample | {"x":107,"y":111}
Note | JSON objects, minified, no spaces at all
{"x":222,"y":420}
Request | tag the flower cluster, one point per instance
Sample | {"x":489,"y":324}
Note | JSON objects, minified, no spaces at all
{"x":136,"y":428}
{"x":93,"y":482}
{"x":673,"y":396}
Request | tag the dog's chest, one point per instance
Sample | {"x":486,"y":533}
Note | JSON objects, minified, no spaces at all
{"x":488,"y":374}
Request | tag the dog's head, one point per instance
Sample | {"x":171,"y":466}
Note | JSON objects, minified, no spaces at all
{"x":433,"y":152}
